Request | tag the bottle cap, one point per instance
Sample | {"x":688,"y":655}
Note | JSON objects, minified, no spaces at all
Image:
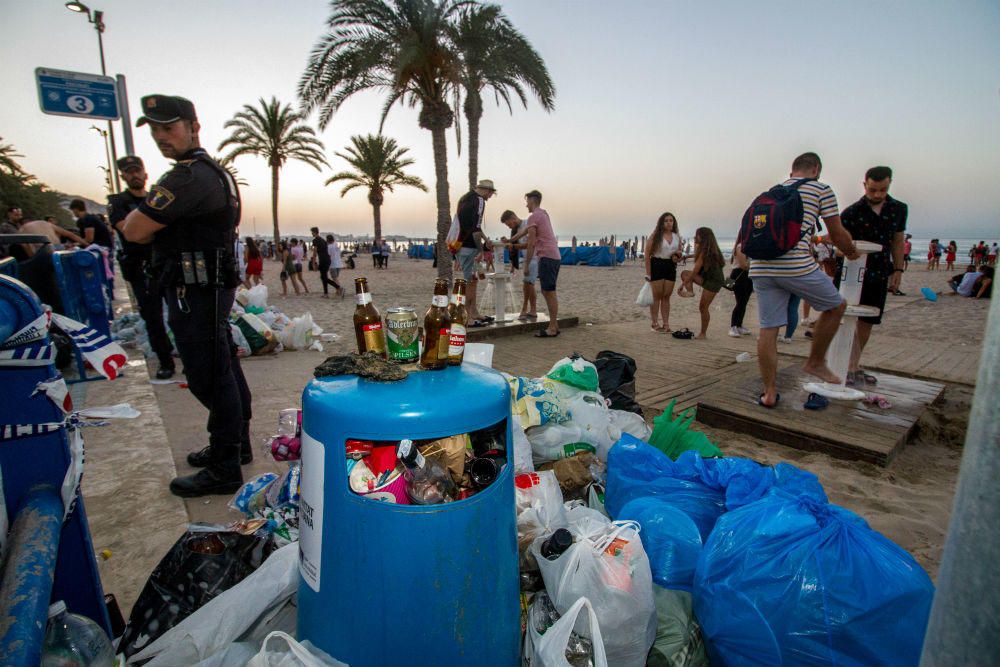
{"x":562,"y":539}
{"x":56,"y":608}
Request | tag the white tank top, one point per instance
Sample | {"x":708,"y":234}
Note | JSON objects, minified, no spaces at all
{"x":668,"y":249}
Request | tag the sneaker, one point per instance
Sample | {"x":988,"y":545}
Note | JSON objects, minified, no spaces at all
{"x":744,"y":331}
{"x":207,"y":482}
{"x":164,"y":372}
{"x":734,"y":332}
{"x":785,"y":340}
{"x":203,"y":457}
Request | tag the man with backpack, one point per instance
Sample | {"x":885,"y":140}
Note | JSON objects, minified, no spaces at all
{"x":775,"y":237}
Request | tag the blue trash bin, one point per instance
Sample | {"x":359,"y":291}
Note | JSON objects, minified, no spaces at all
{"x":417,"y":585}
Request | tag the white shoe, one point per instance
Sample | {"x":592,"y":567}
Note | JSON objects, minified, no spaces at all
{"x":783,"y":339}
{"x":734,"y":332}
{"x":744,"y":331}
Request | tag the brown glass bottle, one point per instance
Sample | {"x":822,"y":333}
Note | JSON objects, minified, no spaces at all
{"x":459,"y":320}
{"x":437,"y":327}
{"x":367,"y":321}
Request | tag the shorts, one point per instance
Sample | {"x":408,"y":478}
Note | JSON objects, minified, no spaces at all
{"x":662,"y":269}
{"x":548,"y":272}
{"x":298,"y":267}
{"x":713,"y":279}
{"x":467,"y":260}
{"x":773,"y":293}
{"x":531,"y":273}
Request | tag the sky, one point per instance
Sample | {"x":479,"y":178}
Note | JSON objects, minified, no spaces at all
{"x":688,"y":107}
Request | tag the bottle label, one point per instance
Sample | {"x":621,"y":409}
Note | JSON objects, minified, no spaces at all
{"x":363,"y":299}
{"x":374,"y":340}
{"x":574,"y":448}
{"x":456,"y":340}
{"x":458,"y":299}
{"x":616,"y":547}
{"x":443,"y":336}
{"x":439,"y":300}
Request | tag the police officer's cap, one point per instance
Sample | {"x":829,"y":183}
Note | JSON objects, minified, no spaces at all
{"x":165,"y":109}
{"x":129,"y":162}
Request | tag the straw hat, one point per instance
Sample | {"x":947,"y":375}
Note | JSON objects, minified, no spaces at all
{"x":485,"y":184}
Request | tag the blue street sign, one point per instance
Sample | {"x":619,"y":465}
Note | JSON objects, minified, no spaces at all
{"x":76,"y":94}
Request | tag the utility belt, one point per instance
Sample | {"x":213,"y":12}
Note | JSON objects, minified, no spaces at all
{"x":196,"y":268}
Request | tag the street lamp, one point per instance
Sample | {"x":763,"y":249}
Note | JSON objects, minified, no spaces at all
{"x":107,"y":152}
{"x":97,"y":19}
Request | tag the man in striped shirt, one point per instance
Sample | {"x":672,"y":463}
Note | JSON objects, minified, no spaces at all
{"x":797,"y":272}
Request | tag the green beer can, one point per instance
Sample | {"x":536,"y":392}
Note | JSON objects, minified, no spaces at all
{"x":402,"y":336}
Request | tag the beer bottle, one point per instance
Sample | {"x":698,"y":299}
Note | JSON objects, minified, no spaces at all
{"x":367,"y":321}
{"x":437,"y":326}
{"x":459,"y":319}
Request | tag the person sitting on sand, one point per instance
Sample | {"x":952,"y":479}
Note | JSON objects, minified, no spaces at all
{"x":983,"y":287}
{"x":796,"y":271}
{"x":707,"y":272}
{"x":964,"y":282}
{"x":663,"y":250}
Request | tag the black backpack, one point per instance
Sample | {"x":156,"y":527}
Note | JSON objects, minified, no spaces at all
{"x":772,"y":225}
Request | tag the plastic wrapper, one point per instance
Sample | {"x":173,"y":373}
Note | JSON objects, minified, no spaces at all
{"x":792,"y":580}
{"x":202,"y":564}
{"x":259,"y":336}
{"x":300,"y":334}
{"x":451,"y":453}
{"x":256,"y":297}
{"x":576,"y":372}
{"x":251,"y":497}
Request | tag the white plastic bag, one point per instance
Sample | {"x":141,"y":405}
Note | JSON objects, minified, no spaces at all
{"x":242,"y":346}
{"x":452,"y":239}
{"x":538,"y":502}
{"x":552,"y":441}
{"x":257,"y":297}
{"x":522,"y":449}
{"x":589,"y":411}
{"x":549,"y":650}
{"x":293,"y":655}
{"x":631,"y":423}
{"x":299,"y":335}
{"x":226,"y":617}
{"x":645,"y":298}
{"x":607,"y":565}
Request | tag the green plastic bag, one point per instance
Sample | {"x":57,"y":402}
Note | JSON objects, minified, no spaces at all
{"x":576,"y":372}
{"x":678,"y":640}
{"x":672,"y":437}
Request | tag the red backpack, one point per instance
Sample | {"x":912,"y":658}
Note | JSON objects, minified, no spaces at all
{"x":772,"y":225}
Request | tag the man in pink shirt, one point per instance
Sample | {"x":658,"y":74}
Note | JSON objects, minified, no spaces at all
{"x":543,"y":241}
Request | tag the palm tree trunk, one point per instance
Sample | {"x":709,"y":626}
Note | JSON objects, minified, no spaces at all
{"x":473,"y":113}
{"x":443,"y":204}
{"x":274,"y":203}
{"x":377,"y":215}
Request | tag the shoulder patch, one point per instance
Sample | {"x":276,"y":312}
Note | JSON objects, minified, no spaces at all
{"x":159,"y":198}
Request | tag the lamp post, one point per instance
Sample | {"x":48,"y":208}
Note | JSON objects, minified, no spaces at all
{"x":107,"y":152}
{"x":97,"y":19}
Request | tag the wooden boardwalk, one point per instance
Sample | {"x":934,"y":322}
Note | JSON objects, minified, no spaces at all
{"x":844,"y":429}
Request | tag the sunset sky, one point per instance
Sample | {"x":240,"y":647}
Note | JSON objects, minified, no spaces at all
{"x":681,"y":106}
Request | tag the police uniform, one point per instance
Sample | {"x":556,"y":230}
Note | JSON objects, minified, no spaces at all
{"x":134,"y":260}
{"x":194,"y":268}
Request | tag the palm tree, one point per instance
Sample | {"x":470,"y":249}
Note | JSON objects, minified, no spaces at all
{"x":274,"y":132}
{"x":401,"y":47}
{"x":9,"y":164}
{"x":494,"y":55}
{"x":378,"y":162}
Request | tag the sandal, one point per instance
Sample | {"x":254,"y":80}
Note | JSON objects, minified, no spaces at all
{"x":683,"y":334}
{"x":476,"y":324}
{"x":878,"y":400}
{"x":761,"y":403}
{"x":816,"y":402}
{"x":542,"y":333}
{"x":868,"y":378}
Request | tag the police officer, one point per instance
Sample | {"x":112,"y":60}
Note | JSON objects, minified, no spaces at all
{"x":134,"y":259}
{"x":190,"y":218}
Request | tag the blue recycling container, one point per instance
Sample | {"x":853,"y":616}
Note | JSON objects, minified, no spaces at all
{"x":418,"y":585}
{"x":84,"y":288}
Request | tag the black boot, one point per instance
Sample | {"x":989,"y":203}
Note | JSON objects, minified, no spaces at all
{"x":205,"y":456}
{"x":213,"y":480}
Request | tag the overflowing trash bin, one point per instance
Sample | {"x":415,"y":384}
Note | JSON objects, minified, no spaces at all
{"x":385,"y":580}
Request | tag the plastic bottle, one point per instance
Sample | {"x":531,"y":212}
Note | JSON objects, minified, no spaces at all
{"x":75,"y":641}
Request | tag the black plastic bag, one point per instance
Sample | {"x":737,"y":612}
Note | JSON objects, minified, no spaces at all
{"x":203,"y":563}
{"x":616,"y":376}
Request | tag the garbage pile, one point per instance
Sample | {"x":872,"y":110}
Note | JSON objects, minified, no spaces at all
{"x":130,"y":332}
{"x":261,"y":329}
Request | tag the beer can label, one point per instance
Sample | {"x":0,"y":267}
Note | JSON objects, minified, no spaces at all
{"x":456,"y":340}
{"x":402,"y":342}
{"x":439,"y":300}
{"x":374,"y":339}
{"x":443,"y":335}
{"x":458,"y":299}
{"x":363,"y":299}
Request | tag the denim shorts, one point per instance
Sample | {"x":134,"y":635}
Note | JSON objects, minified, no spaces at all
{"x":814,"y":288}
{"x":467,"y":260}
{"x":531,"y":272}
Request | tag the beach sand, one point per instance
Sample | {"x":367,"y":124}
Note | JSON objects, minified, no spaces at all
{"x":909,"y":501}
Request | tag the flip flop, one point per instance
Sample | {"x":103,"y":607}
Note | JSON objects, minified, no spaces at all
{"x":816,"y":402}
{"x":878,"y":400}
{"x":761,"y":403}
{"x":867,"y":377}
{"x":476,"y":324}
{"x":683,"y":334}
{"x":542,"y":333}
{"x":488,"y":319}
{"x":532,"y":317}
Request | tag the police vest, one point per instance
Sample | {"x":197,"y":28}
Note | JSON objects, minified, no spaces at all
{"x":211,"y":234}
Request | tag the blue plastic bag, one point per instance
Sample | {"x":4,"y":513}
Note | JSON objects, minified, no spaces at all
{"x":670,"y":538}
{"x":791,"y":580}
